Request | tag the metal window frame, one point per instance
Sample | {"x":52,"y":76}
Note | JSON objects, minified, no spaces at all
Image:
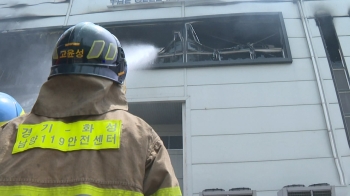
{"x":286,"y":190}
{"x":288,"y":54}
{"x":229,"y":193}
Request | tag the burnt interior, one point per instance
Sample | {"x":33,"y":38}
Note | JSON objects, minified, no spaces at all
{"x":224,"y":38}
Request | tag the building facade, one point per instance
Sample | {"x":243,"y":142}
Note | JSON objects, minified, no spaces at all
{"x":243,"y":93}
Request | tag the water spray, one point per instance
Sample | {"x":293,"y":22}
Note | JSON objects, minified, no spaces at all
{"x":140,"y":56}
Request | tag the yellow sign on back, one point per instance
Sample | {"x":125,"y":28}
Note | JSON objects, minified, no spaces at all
{"x":80,"y":135}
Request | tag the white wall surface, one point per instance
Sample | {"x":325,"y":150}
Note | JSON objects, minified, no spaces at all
{"x":257,"y":126}
{"x":20,"y":14}
{"x":12,"y":3}
{"x":345,"y":46}
{"x":48,"y":22}
{"x":264,"y":175}
{"x":299,"y":69}
{"x":254,"y":120}
{"x":259,"y":146}
{"x":128,"y":15}
{"x":294,"y":27}
{"x":332,"y":7}
{"x":341,"y":25}
{"x":288,"y":9}
{"x":160,"y":84}
{"x":38,"y":10}
{"x":253,"y":95}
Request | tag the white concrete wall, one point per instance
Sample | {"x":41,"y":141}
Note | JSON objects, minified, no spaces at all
{"x":257,"y":117}
{"x":21,"y":14}
{"x":257,"y":126}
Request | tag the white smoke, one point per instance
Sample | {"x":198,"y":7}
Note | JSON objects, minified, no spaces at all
{"x":139,"y":56}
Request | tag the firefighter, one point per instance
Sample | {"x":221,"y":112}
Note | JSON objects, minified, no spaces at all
{"x":79,"y":138}
{"x":9,"y":108}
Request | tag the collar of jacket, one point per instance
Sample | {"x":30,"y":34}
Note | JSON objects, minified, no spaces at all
{"x":77,"y":95}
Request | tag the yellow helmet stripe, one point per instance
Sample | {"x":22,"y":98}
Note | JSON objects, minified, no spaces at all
{"x":112,"y":51}
{"x":96,"y":49}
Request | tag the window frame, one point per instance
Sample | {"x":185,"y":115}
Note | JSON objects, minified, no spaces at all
{"x":333,"y":68}
{"x":285,"y":41}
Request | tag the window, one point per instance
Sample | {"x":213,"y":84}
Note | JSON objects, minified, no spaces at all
{"x":172,"y":142}
{"x":211,"y":40}
{"x":338,"y":68}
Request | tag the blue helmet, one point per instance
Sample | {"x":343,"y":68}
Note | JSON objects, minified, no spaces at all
{"x":9,"y":108}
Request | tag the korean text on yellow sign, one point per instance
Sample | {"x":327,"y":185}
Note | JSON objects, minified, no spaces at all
{"x":90,"y":135}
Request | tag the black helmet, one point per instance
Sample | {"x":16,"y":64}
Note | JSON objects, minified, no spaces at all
{"x":89,"y":49}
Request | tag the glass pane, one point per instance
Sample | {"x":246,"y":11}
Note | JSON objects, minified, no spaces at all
{"x":237,"y":38}
{"x":345,"y":102}
{"x":165,"y":140}
{"x":337,"y":65}
{"x":341,"y":80}
{"x":347,"y":121}
{"x":175,"y":142}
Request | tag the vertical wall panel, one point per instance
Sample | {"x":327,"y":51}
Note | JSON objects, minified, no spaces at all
{"x":346,"y":163}
{"x":329,"y":89}
{"x":319,"y":47}
{"x":254,"y":95}
{"x":257,"y":120}
{"x":161,"y":92}
{"x":80,"y":7}
{"x":345,"y":44}
{"x":335,"y":115}
{"x":260,"y":147}
{"x":342,"y":25}
{"x":155,"y":78}
{"x":342,"y":142}
{"x":299,"y":69}
{"x":53,"y":22}
{"x":324,"y":68}
{"x":347,"y":61}
{"x":315,"y":32}
{"x":288,"y":9}
{"x":299,"y":48}
{"x":37,"y":10}
{"x":294,"y":27}
{"x":127,"y":15}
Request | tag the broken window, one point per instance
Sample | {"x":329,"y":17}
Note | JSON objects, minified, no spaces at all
{"x":338,"y":67}
{"x":201,"y":41}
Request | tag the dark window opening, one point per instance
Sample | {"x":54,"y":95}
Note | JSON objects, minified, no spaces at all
{"x":338,"y":67}
{"x":200,"y":41}
{"x":172,"y":142}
